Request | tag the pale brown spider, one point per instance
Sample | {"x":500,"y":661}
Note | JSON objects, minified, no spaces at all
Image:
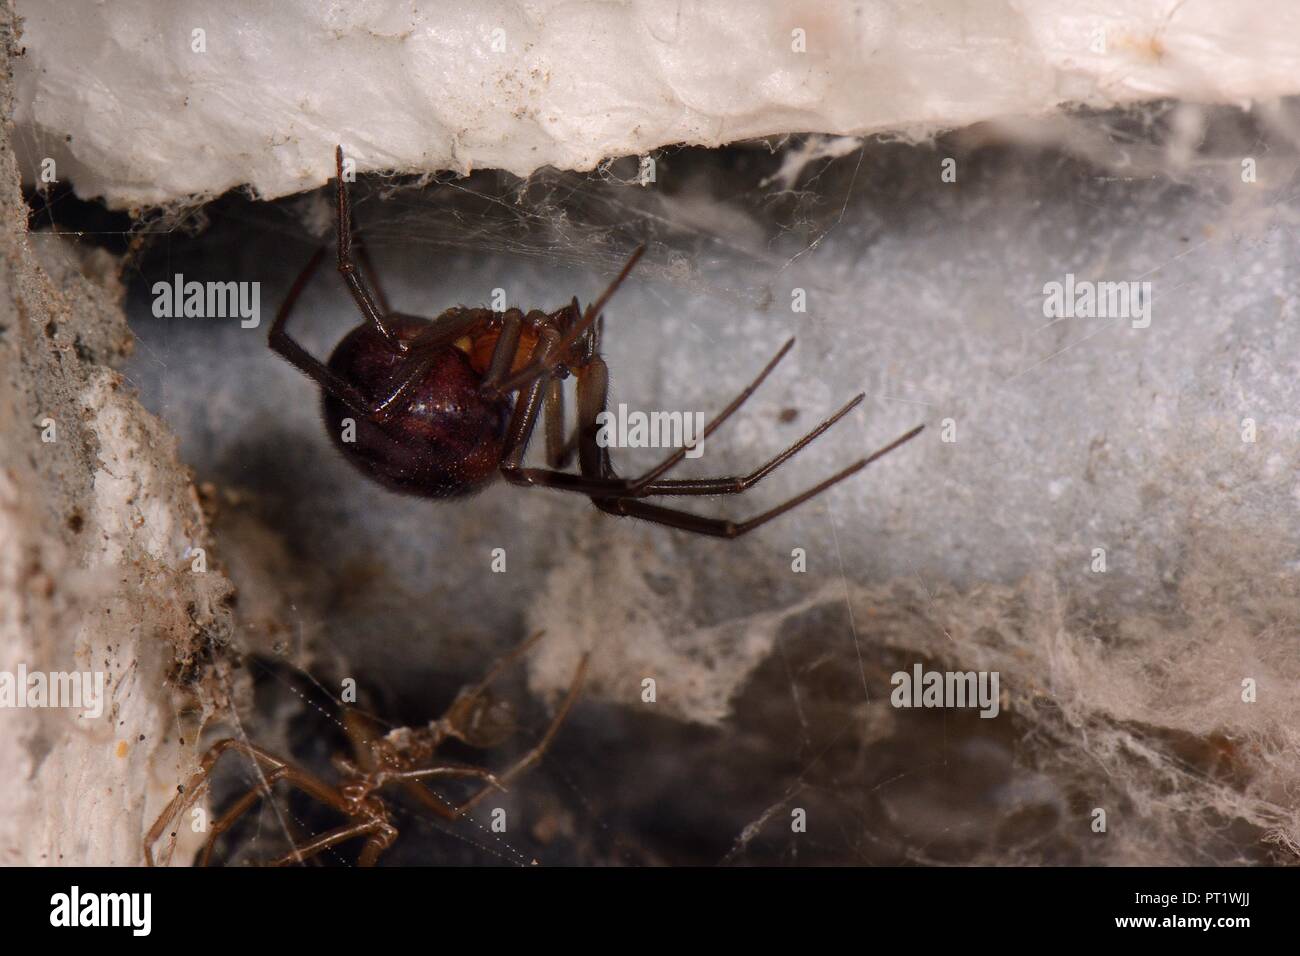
{"x":407,"y":757}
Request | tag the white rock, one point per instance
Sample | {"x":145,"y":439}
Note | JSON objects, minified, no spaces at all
{"x":120,"y":98}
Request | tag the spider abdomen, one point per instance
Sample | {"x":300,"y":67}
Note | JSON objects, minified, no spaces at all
{"x":443,"y":440}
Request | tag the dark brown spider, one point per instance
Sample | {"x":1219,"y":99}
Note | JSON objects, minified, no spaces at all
{"x":406,"y":757}
{"x":430,"y":408}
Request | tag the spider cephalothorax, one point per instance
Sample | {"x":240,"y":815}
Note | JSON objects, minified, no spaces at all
{"x":436,"y":407}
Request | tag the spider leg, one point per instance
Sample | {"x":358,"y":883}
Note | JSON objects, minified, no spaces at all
{"x":412,"y":779}
{"x":597,"y":476}
{"x":281,"y":343}
{"x":459,"y":715}
{"x":593,"y":389}
{"x":347,"y":268}
{"x":375,"y":846}
{"x":173,"y":809}
{"x":534,"y":755}
{"x":421,"y":354}
{"x":452,"y":771}
{"x":672,"y":460}
{"x":598,"y":480}
{"x":590,"y":351}
{"x":313,"y":786}
{"x":371,"y":275}
{"x":274,"y":769}
{"x":715,"y":527}
{"x":618,"y":496}
{"x":503,"y":353}
{"x":407,"y":376}
{"x":502,"y":664}
{"x":522,"y":424}
{"x":718,"y":527}
{"x":544,"y":389}
{"x":596,"y":334}
{"x":524,"y":419}
{"x":613,"y":487}
{"x":736,"y":484}
{"x":382,"y":835}
{"x":648,"y":484}
{"x":277,"y":770}
{"x":189,"y":794}
{"x":560,"y":451}
{"x":554,"y":420}
{"x":237,"y":810}
{"x":507,"y":346}
{"x":412,"y":784}
{"x":541,"y":366}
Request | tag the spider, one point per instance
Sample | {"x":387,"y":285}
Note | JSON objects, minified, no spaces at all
{"x":424,"y":407}
{"x":405,"y":757}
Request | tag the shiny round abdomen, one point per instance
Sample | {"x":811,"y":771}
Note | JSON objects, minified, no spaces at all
{"x":443,"y":440}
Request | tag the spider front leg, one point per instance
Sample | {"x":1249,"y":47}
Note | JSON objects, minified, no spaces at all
{"x":373,"y":306}
{"x":373,"y":311}
{"x":409,"y":373}
{"x":281,"y":343}
{"x":347,"y":268}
